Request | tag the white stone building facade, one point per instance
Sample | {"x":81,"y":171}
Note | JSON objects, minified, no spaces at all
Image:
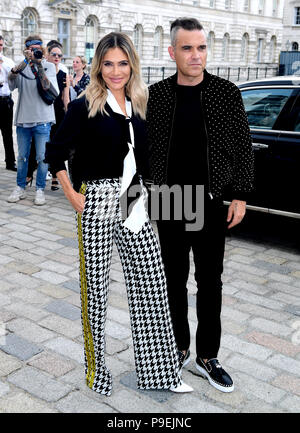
{"x":291,"y":25}
{"x":240,"y":32}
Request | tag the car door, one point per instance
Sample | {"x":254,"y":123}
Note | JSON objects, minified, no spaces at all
{"x":263,"y":105}
{"x":284,"y":169}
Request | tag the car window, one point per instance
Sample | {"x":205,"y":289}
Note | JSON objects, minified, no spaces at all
{"x":264,"y":105}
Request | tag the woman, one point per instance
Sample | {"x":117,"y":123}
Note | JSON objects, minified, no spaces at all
{"x":80,"y":79}
{"x":61,"y":102}
{"x":106,"y":131}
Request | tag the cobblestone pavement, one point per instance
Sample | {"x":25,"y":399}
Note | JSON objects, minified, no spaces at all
{"x":41,"y":348}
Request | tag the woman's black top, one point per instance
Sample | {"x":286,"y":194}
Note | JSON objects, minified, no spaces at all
{"x":98,"y":145}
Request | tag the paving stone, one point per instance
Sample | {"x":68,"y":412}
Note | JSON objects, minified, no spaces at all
{"x":246,"y":268}
{"x":289,"y":365}
{"x":39,"y":384}
{"x":116,"y":330}
{"x":66,"y":327}
{"x":293,"y":309}
{"x":67,"y":348}
{"x":288,"y":383}
{"x":50,"y":277}
{"x":192,"y":404}
{"x":24,"y":268}
{"x":255,"y":279}
{"x":259,"y":406}
{"x":24,"y":309}
{"x":8,"y":364}
{"x":272,"y":267}
{"x":257,"y":310}
{"x":52,"y":364}
{"x":272,"y":342}
{"x":31,"y":296}
{"x":291,"y":404}
{"x":130,"y":402}
{"x":259,"y":300}
{"x":64,"y":309}
{"x":259,"y":289}
{"x":251,"y":367}
{"x":78,"y":403}
{"x":234,"y":314}
{"x":249,"y":349}
{"x":6,"y":316}
{"x":23,"y":403}
{"x":53,"y":291}
{"x":271,"y":327}
{"x":118,"y":315}
{"x":114,"y":346}
{"x":4,"y":389}
{"x":259,"y":389}
{"x":72,"y":285}
{"x":19,"y":347}
{"x":286,"y":298}
{"x":53,"y":266}
{"x":29,"y":330}
{"x":231,"y":327}
{"x":68,"y":242}
{"x":21,"y":280}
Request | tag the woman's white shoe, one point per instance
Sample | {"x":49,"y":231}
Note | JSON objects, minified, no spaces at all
{"x":181,"y":388}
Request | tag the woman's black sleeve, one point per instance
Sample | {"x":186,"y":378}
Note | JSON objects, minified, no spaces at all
{"x":67,"y":137}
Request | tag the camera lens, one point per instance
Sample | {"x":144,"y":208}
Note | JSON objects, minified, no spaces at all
{"x":38,"y":54}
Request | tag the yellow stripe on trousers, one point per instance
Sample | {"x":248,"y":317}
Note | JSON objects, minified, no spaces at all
{"x":87,"y":332}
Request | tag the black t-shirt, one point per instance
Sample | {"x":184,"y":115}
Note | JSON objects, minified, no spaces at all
{"x":187,"y":164}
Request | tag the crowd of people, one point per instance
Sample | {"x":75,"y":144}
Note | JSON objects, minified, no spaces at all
{"x":35,"y":121}
{"x":190,"y":129}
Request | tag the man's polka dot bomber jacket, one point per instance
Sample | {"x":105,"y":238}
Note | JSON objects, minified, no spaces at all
{"x":229,"y":143}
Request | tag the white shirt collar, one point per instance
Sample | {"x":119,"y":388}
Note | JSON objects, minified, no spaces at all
{"x":112,"y":102}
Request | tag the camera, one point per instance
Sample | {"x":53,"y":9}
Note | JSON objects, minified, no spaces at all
{"x":38,"y":54}
{"x":1,"y":85}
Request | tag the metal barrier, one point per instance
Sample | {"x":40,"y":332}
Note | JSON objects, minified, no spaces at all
{"x":242,"y":73}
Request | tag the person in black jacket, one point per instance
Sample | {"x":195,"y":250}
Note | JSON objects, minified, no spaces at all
{"x":199,"y":137}
{"x":105,"y":128}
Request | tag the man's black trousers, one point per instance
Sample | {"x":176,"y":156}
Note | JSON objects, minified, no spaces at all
{"x":6,"y":119}
{"x":207,"y":246}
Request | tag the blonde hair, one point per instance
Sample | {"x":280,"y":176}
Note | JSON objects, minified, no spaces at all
{"x":83,"y":61}
{"x":136,"y":89}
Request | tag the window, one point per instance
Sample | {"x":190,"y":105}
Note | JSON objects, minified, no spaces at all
{"x":210,"y":46}
{"x":90,"y":37}
{"x":275,"y":8}
{"x":246,"y":5}
{"x":138,"y":39}
{"x":28,"y":23}
{"x":225,"y":47}
{"x":260,"y":50}
{"x":63,"y":35}
{"x":297,"y":16}
{"x":295,"y":46}
{"x":245,"y":47}
{"x":264,"y":105}
{"x":227,"y":4}
{"x":273,"y":44}
{"x":158,"y":39}
{"x":261,"y":7}
{"x":211,"y":3}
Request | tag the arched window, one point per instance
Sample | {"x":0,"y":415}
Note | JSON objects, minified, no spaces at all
{"x":138,"y":38}
{"x":90,"y":37}
{"x":225,"y":47}
{"x":245,"y":47}
{"x":210,"y":46}
{"x":295,"y":46}
{"x":28,"y":22}
{"x":158,"y":41}
{"x":273,"y":44}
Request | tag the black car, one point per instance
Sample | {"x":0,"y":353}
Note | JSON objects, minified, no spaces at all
{"x":273,"y":109}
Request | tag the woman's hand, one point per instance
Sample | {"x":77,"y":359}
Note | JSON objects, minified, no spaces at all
{"x":77,"y":200}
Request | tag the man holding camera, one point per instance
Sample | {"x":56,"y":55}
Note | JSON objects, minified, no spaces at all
{"x":6,"y":109}
{"x":34,"y":116}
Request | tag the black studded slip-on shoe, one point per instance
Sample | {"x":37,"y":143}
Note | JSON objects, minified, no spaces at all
{"x":216,"y":375}
{"x":184,"y":359}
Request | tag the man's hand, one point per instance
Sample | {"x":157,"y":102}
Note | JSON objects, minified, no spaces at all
{"x":236,"y":212}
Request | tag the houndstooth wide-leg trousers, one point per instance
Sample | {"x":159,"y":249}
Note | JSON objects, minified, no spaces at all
{"x":154,"y":344}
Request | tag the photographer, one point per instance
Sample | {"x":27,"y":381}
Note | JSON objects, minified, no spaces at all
{"x":6,"y":109}
{"x":34,"y":116}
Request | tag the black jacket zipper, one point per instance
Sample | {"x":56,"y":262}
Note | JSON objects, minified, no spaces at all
{"x":170,"y":139}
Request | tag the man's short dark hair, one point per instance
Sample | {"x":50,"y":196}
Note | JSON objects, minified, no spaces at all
{"x":185,"y":24}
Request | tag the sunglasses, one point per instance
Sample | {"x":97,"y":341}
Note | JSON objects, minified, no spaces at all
{"x":56,"y":55}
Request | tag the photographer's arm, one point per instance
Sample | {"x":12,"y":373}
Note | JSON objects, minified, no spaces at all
{"x":14,"y":71}
{"x":42,"y":76}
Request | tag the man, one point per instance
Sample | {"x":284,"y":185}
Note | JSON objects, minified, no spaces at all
{"x":199,"y":135}
{"x":6,"y":109}
{"x":34,"y":117}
